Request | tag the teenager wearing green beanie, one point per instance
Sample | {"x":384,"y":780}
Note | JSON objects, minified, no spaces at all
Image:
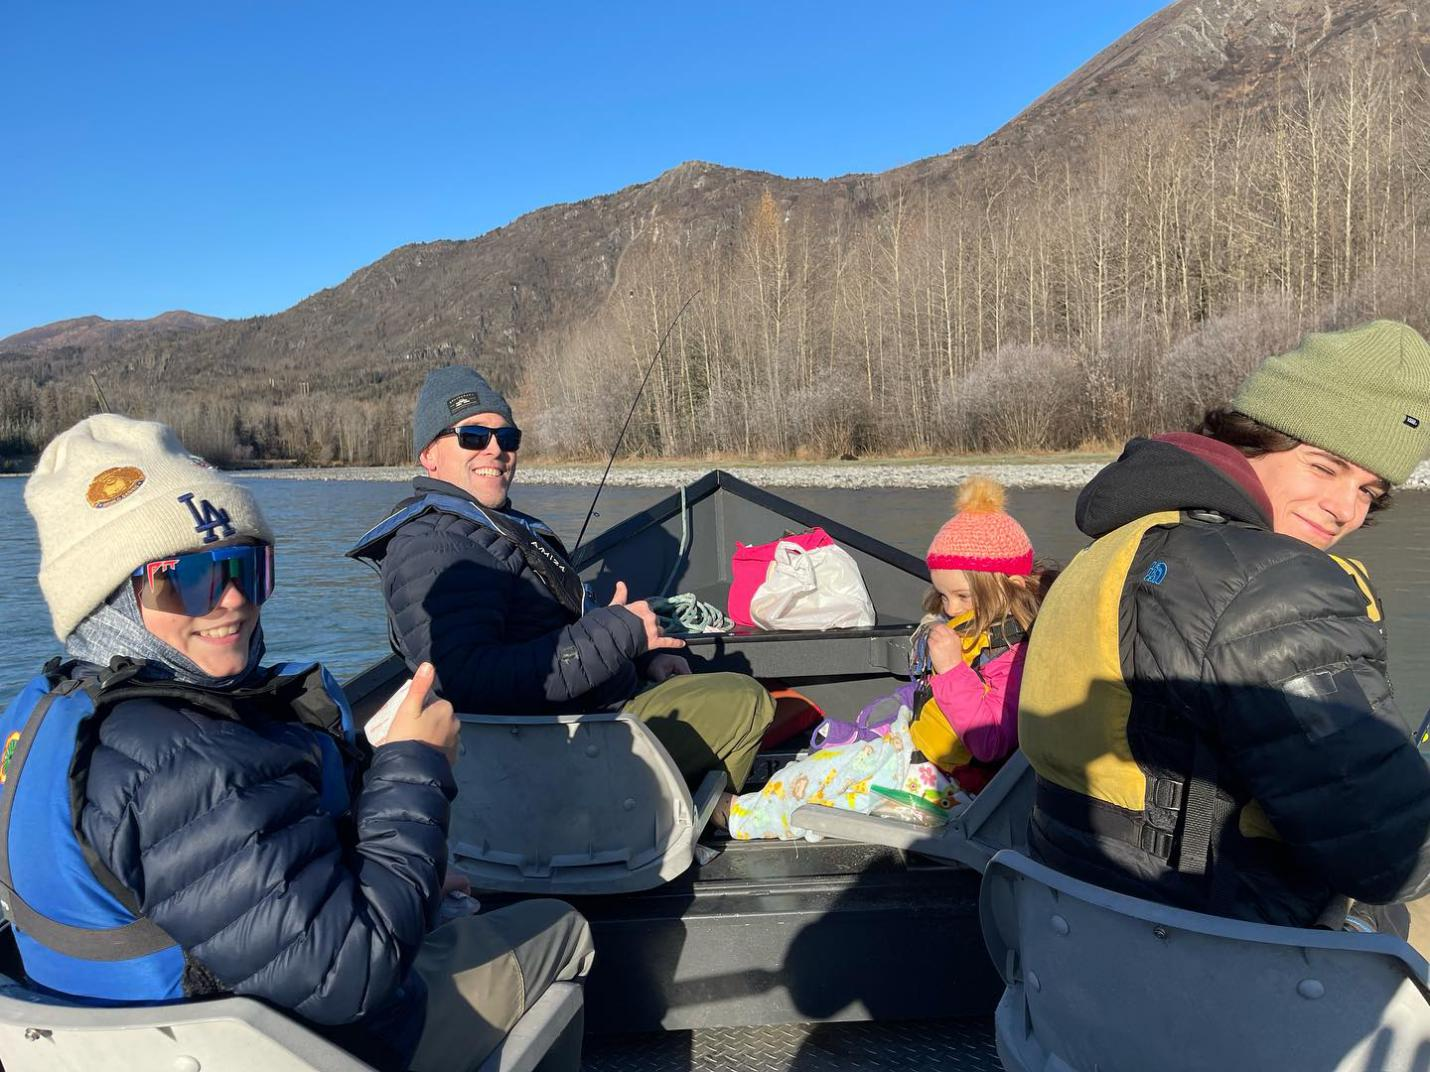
{"x":1205,"y":700}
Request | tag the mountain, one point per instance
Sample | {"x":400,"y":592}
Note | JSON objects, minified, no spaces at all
{"x":565,"y":277}
{"x":95,"y":331}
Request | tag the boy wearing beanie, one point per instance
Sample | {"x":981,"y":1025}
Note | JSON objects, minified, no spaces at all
{"x":214,"y":833}
{"x":1205,"y":700}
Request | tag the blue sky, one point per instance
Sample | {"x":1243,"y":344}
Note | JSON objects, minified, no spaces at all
{"x":232,"y":158}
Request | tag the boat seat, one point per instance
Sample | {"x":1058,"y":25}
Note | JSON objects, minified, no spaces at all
{"x":996,"y":820}
{"x":40,"y":1032}
{"x":572,"y":804}
{"x":1102,"y":982}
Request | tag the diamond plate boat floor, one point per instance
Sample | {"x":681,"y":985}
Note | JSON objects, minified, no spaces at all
{"x":916,"y":1046}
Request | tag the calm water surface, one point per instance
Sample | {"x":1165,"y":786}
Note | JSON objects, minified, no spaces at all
{"x":330,"y":607}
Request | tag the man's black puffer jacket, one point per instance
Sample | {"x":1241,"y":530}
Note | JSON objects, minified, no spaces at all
{"x":462,"y":597}
{"x":218,"y":827}
{"x":1273,"y":654}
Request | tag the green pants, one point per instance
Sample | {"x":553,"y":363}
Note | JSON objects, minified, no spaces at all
{"x":707,"y":722}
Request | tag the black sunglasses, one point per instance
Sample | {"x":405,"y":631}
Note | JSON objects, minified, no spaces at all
{"x":476,"y":437}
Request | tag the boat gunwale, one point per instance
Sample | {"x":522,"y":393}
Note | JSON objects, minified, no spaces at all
{"x":719,"y":480}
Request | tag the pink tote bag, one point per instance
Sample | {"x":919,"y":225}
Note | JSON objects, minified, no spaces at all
{"x":750,"y":565}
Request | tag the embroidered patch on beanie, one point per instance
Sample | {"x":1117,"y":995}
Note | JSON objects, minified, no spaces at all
{"x":112,"y":485}
{"x":457,"y":403}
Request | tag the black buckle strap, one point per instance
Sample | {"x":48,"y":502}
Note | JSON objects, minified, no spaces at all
{"x":1166,"y":793}
{"x":1101,"y":819}
{"x":1154,"y":842}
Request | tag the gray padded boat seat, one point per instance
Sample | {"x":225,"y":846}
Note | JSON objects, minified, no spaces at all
{"x":996,"y":820}
{"x":40,"y":1033}
{"x":1101,"y":982}
{"x":572,"y":804}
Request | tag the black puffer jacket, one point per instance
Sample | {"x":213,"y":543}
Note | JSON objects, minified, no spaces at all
{"x":219,"y":827}
{"x":461,"y":596}
{"x":1207,"y":649}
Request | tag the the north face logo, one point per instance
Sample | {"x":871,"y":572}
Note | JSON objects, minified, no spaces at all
{"x":209,"y":519}
{"x":1156,"y":573}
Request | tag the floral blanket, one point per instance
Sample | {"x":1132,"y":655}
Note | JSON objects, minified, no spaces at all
{"x":841,"y":776}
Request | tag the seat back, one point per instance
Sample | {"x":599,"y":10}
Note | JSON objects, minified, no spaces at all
{"x":541,"y":1027}
{"x":572,"y":804}
{"x":42,"y":1033}
{"x":997,"y":819}
{"x":1101,"y":981}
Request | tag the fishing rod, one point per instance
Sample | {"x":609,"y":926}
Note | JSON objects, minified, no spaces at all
{"x":634,"y":403}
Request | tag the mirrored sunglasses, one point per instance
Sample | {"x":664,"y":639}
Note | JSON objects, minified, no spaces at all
{"x":195,"y":582}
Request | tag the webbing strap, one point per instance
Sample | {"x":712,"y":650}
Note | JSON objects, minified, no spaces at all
{"x":1200,"y":811}
{"x":1208,"y":811}
{"x":137,"y":939}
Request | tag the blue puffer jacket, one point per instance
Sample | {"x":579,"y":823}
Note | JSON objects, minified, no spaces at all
{"x":462,"y":597}
{"x":219,"y":828}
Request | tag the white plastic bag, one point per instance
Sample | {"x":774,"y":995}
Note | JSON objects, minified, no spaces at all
{"x":818,"y":589}
{"x":377,"y":726}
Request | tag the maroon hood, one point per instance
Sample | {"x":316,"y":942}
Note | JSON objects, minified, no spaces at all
{"x":1176,"y":471}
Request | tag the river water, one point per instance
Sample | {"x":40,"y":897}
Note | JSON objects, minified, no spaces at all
{"x":330,"y":607}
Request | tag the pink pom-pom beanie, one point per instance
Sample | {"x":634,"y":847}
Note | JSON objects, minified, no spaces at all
{"x":981,"y":536}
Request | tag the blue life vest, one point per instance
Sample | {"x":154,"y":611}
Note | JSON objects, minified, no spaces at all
{"x":77,"y":927}
{"x":538,"y":543}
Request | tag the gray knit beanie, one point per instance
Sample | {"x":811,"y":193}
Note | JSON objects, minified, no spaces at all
{"x":111,"y":494}
{"x":1362,"y":393}
{"x":450,"y":395}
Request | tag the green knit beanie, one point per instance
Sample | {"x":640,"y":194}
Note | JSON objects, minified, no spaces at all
{"x":1362,"y":393}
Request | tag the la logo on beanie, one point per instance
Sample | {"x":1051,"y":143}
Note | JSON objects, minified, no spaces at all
{"x":208,"y":519}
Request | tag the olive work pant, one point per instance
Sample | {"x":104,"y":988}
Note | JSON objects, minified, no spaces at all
{"x":482,"y":972}
{"x":707,"y":722}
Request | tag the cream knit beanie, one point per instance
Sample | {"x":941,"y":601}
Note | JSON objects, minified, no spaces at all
{"x":112,"y":493}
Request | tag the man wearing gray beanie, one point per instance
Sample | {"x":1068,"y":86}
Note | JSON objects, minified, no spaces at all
{"x":1205,"y":699}
{"x":488,"y":595}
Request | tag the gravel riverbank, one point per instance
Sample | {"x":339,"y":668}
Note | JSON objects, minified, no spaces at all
{"x":800,"y":475}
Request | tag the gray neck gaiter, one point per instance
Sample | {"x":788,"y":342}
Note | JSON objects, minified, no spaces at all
{"x":116,"y":627}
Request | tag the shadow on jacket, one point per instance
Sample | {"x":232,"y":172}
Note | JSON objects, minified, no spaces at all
{"x":274,"y":886}
{"x":1207,"y":706}
{"x":462,"y":596}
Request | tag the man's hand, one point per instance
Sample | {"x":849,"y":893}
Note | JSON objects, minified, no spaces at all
{"x":654,"y":638}
{"x":455,"y":882}
{"x":664,"y":665}
{"x":417,"y":720}
{"x":945,"y":647}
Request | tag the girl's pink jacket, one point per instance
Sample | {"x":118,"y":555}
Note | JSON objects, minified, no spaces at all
{"x":983,"y":711}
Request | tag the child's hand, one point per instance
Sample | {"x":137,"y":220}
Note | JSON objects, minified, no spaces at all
{"x":945,"y":648}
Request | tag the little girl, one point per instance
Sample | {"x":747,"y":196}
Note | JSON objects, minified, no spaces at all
{"x":955,"y":723}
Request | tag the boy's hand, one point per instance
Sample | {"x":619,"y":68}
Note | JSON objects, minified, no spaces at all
{"x":431,"y":723}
